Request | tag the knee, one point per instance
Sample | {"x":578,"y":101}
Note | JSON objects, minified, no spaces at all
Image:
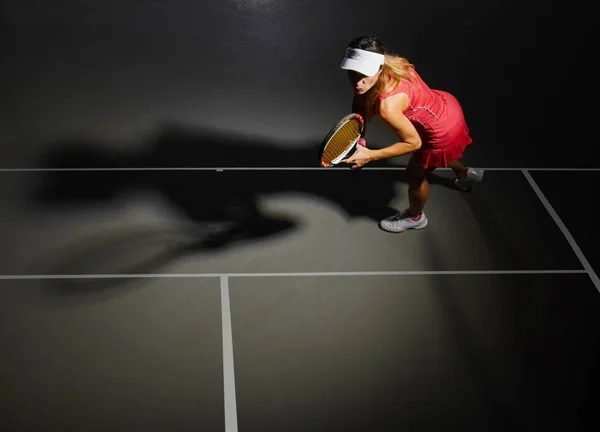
{"x":414,"y":177}
{"x":415,"y":182}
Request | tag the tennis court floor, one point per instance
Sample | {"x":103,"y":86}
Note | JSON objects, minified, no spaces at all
{"x":269,"y":300}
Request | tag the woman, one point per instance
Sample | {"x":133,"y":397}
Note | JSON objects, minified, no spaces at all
{"x":430,"y":124}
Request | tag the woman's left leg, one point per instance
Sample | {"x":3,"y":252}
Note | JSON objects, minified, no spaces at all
{"x":418,"y":187}
{"x":418,"y":192}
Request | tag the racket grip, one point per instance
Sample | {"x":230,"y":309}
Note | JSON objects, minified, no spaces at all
{"x":362,"y":142}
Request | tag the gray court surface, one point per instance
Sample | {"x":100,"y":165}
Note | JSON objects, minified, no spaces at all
{"x":269,"y":300}
{"x":141,"y":359}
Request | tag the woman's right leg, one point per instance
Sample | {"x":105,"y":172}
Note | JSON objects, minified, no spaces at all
{"x":459,"y":168}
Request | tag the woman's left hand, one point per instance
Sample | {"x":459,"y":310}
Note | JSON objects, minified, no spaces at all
{"x":361,"y":157}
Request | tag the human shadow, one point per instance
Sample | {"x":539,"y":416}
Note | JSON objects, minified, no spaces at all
{"x":221,"y":209}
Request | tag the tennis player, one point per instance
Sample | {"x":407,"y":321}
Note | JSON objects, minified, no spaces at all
{"x":429,"y":123}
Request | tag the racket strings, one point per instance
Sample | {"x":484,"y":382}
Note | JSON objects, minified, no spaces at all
{"x":340,"y":141}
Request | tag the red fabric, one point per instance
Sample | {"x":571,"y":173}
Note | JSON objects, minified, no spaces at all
{"x":439,"y":119}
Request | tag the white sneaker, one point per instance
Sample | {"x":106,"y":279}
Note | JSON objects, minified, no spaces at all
{"x":474,"y":175}
{"x":401,"y":222}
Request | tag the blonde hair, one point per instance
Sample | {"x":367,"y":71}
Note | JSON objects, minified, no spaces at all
{"x":394,"y":71}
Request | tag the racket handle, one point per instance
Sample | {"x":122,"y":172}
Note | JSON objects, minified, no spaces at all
{"x":362,"y":142}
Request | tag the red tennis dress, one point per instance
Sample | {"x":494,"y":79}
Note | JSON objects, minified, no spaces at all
{"x":439,"y":119}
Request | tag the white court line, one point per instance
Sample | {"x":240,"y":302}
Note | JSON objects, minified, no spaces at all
{"x":584,"y":262}
{"x":231,"y":424}
{"x":303,"y":274}
{"x":83,"y":169}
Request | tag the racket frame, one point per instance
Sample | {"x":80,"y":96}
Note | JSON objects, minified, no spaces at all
{"x":350,"y":146}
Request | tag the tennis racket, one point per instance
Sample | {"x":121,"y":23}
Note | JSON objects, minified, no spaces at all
{"x":341,"y":140}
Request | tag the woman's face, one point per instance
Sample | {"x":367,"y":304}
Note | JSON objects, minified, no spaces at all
{"x":361,"y":83}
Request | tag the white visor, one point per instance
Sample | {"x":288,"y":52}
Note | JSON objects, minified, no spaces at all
{"x":364,"y":62}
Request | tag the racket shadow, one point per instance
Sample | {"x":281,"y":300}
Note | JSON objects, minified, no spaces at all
{"x":134,"y":252}
{"x":128,"y":251}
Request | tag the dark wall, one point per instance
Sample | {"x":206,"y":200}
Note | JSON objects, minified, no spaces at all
{"x":125,"y":75}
